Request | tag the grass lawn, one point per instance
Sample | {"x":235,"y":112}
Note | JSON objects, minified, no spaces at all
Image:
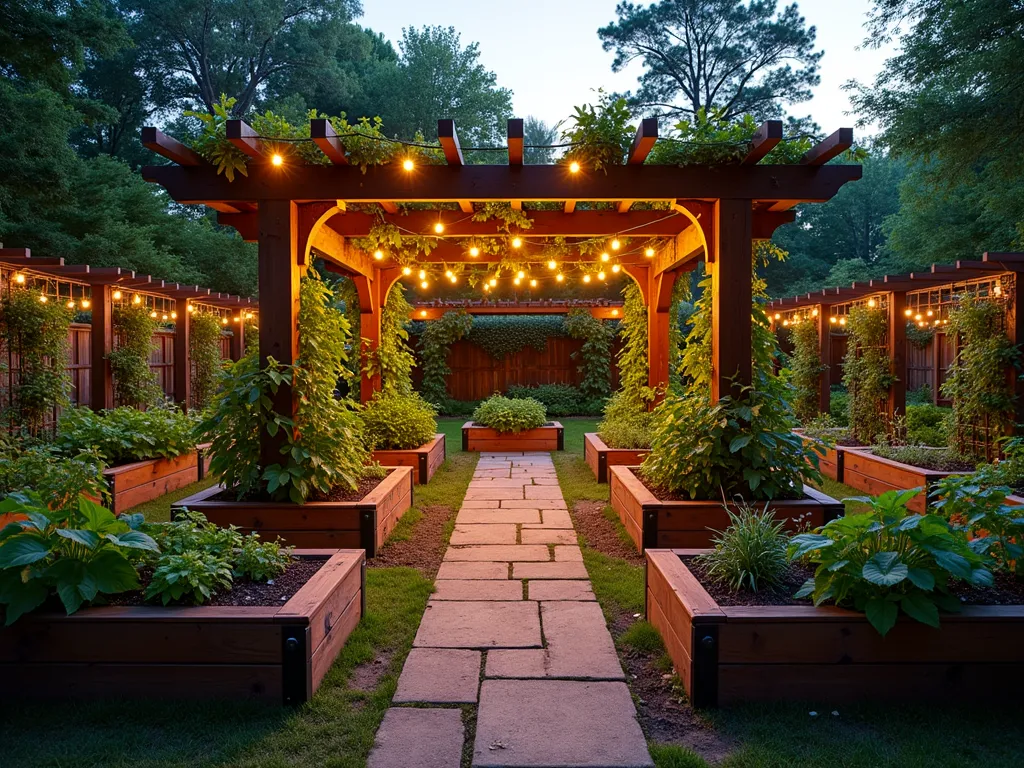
{"x":932,"y":734}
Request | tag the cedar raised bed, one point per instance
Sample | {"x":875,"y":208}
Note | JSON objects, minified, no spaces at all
{"x":651,"y":522}
{"x":732,"y":654}
{"x":363,"y":524}
{"x":142,"y":481}
{"x":550,"y":437}
{"x":875,"y":475}
{"x":599,"y":456}
{"x":277,"y":654}
{"x":425,"y":460}
{"x":831,"y":462}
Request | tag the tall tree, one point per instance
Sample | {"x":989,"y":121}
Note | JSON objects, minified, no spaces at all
{"x":715,"y":55}
{"x":538,"y":134}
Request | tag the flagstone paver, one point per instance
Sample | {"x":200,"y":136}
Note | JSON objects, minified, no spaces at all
{"x":514,"y":617}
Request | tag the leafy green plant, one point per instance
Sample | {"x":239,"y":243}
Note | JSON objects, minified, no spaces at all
{"x":506,"y":415}
{"x":825,"y":429}
{"x":839,"y":407}
{"x":976,"y":504}
{"x":982,"y":393}
{"x":596,"y":353}
{"x":938,"y":459}
{"x":374,"y":470}
{"x":78,"y":555}
{"x":434,"y":345}
{"x":866,"y":373}
{"x":749,"y":554}
{"x":348,"y":298}
{"x":395,"y":420}
{"x":393,"y":359}
{"x":709,"y":139}
{"x":204,"y":352}
{"x":124,"y":434}
{"x":60,"y":479}
{"x":624,"y":425}
{"x":887,"y":561}
{"x":600,"y":134}
{"x":927,"y":425}
{"x":805,"y":370}
{"x":557,"y":399}
{"x":37,"y":332}
{"x":196,"y":576}
{"x":627,"y":422}
{"x":260,"y":560}
{"x":504,"y":335}
{"x":135,"y":383}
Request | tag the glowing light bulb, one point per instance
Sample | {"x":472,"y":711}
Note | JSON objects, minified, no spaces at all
{"x":408,"y":164}
{"x":71,"y":304}
{"x":423,"y":313}
{"x":785,"y":322}
{"x":492,"y":282}
{"x":190,"y":308}
{"x":586,"y":278}
{"x":422,"y":275}
{"x":517,"y":242}
{"x":601,"y":275}
{"x":165,"y":316}
{"x":560,"y":277}
{"x":615,"y":313}
{"x":43,"y":298}
{"x":832,"y":320}
{"x":616,"y":245}
{"x":174,"y":315}
{"x":223,"y":321}
{"x":533,"y":283}
{"x":474,"y":251}
{"x":19,"y":279}
{"x":136,"y":299}
{"x":908,"y":312}
{"x":616,"y":268}
{"x":116,"y":296}
{"x":930,"y":313}
{"x":997,"y":290}
{"x":842,"y":321}
{"x":439,"y":227}
{"x":921,"y":324}
{"x":277,"y":159}
{"x":448,"y":273}
{"x":552,"y":264}
{"x":520,"y":274}
{"x":605,"y":257}
{"x":517,"y":281}
{"x":454,"y":279}
{"x":814,"y":313}
{"x":871,"y":303}
{"x":406,"y":271}
{"x":424,"y":284}
{"x":153,"y":314}
{"x":574,"y":167}
{"x":378,"y":255}
{"x":249,"y":315}
{"x":85,"y":303}
{"x":917,"y":317}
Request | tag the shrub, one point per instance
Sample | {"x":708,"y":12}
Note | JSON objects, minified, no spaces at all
{"x":75,"y":555}
{"x":135,"y":383}
{"x":749,"y":554}
{"x":624,"y":426}
{"x":507,"y":415}
{"x":886,"y":561}
{"x":125,"y":434}
{"x":55,"y":477}
{"x":557,"y":399}
{"x":395,"y":421}
{"x":742,"y":447}
{"x":928,"y":425}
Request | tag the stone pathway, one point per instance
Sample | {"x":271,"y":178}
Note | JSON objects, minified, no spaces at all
{"x":513,"y":628}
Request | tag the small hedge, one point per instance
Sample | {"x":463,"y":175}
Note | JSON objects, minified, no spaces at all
{"x":123,"y":435}
{"x":510,"y":415}
{"x":558,"y":399}
{"x":397,"y":422}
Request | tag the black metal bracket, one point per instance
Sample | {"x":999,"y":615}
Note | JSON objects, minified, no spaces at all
{"x":704,"y":692}
{"x":296,"y":674}
{"x":649,"y":519}
{"x":423,"y":468}
{"x":368,"y":530}
{"x":602,"y":467}
{"x":561,"y":438}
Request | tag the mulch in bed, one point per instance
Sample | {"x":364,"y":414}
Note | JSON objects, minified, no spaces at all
{"x":366,"y":485}
{"x":244,"y":592}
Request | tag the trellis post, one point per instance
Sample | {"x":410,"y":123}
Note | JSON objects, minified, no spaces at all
{"x":658,"y":326}
{"x":237,"y":343}
{"x":1015,"y":330}
{"x":825,"y":356}
{"x":279,"y":277}
{"x":897,"y":342}
{"x":182,"y":355}
{"x":101,"y":381}
{"x":732,"y":295}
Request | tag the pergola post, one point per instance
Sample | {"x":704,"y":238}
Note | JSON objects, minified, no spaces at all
{"x":101,"y":381}
{"x":182,"y":355}
{"x":658,"y":325}
{"x":372,"y":295}
{"x":279,"y":277}
{"x":732,"y":296}
{"x":237,"y":343}
{"x":825,"y":356}
{"x":897,"y":323}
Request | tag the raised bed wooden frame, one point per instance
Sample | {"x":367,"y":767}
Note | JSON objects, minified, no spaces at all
{"x":874,"y":475}
{"x":278,"y":654}
{"x":363,"y":524}
{"x":550,"y":437}
{"x":425,"y":460}
{"x":599,"y":456}
{"x":142,"y":481}
{"x":731,"y":654}
{"x":652,"y":523}
{"x":831,"y":462}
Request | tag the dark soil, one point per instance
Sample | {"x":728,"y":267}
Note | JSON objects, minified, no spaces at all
{"x":782,"y":594}
{"x":366,"y":485}
{"x":366,"y":676}
{"x":601,"y":534}
{"x":663,"y":494}
{"x":1008,"y":590}
{"x":424,"y":550}
{"x":245,"y":592}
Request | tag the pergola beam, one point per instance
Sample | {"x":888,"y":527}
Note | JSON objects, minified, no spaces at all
{"x":449,"y":139}
{"x":157,"y":141}
{"x":516,"y":135}
{"x":825,"y":150}
{"x":768,"y":135}
{"x":325,"y":137}
{"x":643,"y":142}
{"x":241,"y":134}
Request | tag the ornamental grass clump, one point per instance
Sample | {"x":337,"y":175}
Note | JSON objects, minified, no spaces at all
{"x":509,"y":415}
{"x":751,"y":553}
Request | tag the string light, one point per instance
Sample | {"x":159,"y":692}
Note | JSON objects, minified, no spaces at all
{"x":559,"y":277}
{"x":997,"y":289}
{"x":408,"y":164}
{"x":424,"y":284}
{"x":574,"y":167}
{"x":785,"y":322}
{"x":190,"y":308}
{"x":71,"y":304}
{"x":871,"y":303}
{"x":116,"y":296}
{"x":616,"y":245}
{"x":454,"y":279}
{"x":448,"y":273}
{"x":516,"y":242}
{"x":43,"y":298}
{"x":649,"y":253}
{"x":474,"y":251}
{"x":174,"y":315}
{"x":223,"y":321}
{"x":605,"y":257}
{"x":85,"y":303}
{"x":422,"y":275}
{"x":423,"y":313}
{"x":517,"y":281}
{"x":778,"y":316}
{"x":615,"y":313}
{"x":616,"y":268}
{"x":492,"y":282}
{"x":586,"y":278}
{"x":533,"y":283}
{"x":406,"y":271}
{"x":378,"y":255}
{"x":601,"y":275}
{"x":19,"y":279}
{"x":842,"y":321}
{"x":153,"y":314}
{"x":908,"y":312}
{"x":832,"y":320}
{"x":165,"y":316}
{"x":439,"y":227}
{"x":136,"y":299}
{"x":237,"y":318}
{"x":917,"y":317}
{"x":277,"y":159}
{"x":520,"y":274}
{"x":930,"y":313}
{"x":552,"y":264}
{"x":815,"y":312}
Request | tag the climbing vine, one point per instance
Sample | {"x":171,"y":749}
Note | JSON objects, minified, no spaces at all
{"x":680,"y":295}
{"x":595,"y":353}
{"x":805,"y":365}
{"x":37,"y":332}
{"x":919,"y":337}
{"x":977,"y":382}
{"x":348,"y":297}
{"x":504,"y":335}
{"x":393,"y":359}
{"x":434,"y":345}
{"x":135,"y":383}
{"x":204,"y":351}
{"x":867,"y":374}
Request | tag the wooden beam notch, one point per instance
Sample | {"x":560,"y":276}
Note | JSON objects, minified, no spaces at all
{"x":643,"y":142}
{"x":825,"y":150}
{"x":767,"y":137}
{"x":516,"y":134}
{"x":449,"y":139}
{"x":157,"y":141}
{"x":241,"y":134}
{"x":325,"y":137}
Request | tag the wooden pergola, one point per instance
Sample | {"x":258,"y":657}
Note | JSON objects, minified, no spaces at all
{"x":295,"y":212}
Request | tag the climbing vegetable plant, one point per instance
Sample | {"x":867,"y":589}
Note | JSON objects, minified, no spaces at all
{"x":345,"y":292}
{"x":867,"y":374}
{"x":977,"y":382}
{"x":806,"y":369}
{"x":135,"y":383}
{"x":204,"y":350}
{"x":595,"y":354}
{"x":434,"y":345}
{"x":393,"y":360}
{"x":37,"y":332}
